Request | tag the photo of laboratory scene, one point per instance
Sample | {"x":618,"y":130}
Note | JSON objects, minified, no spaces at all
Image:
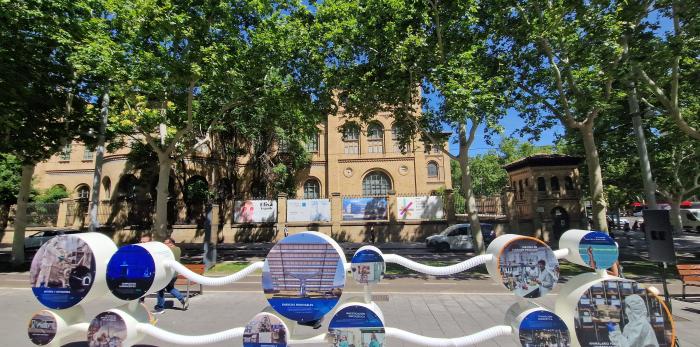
{"x":545,"y":338}
{"x":265,"y":330}
{"x":303,"y":277}
{"x":367,"y":267}
{"x":528,"y":268}
{"x":107,"y":329}
{"x":357,"y":337}
{"x":622,"y":313}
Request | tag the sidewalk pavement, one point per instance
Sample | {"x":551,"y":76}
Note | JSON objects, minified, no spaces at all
{"x":435,"y":307}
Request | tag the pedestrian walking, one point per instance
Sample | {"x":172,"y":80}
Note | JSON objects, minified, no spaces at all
{"x":170,"y":288}
{"x":286,"y":231}
{"x":372,"y":236}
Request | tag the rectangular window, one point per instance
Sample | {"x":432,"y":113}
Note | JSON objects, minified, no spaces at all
{"x":375,"y":146}
{"x":352,"y":147}
{"x":65,"y":153}
{"x":88,"y":154}
{"x":312,"y":144}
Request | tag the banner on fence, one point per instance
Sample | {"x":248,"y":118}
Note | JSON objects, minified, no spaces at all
{"x":365,"y":208}
{"x":420,"y":207}
{"x":309,"y":210}
{"x":255,"y":211}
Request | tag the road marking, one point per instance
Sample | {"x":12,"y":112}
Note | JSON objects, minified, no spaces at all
{"x":451,"y":284}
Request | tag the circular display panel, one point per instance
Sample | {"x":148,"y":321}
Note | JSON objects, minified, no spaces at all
{"x":543,"y":328}
{"x":107,"y":329}
{"x":367,"y":265}
{"x":528,"y":267}
{"x":265,"y":330}
{"x":42,"y":328}
{"x":622,"y":313}
{"x":598,"y":250}
{"x":356,"y":325}
{"x":62,"y":272}
{"x":304,"y":276}
{"x":130,"y":272}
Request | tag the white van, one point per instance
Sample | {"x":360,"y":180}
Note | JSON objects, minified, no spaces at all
{"x":690,"y":218}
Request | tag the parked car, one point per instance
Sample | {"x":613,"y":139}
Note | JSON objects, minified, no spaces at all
{"x":459,"y":237}
{"x":690,"y":219}
{"x":39,"y":238}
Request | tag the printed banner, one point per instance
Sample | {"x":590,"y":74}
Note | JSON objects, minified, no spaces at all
{"x":420,"y":207}
{"x":365,"y":208}
{"x":309,"y":210}
{"x":255,"y":211}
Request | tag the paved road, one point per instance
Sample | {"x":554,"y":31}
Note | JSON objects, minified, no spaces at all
{"x":434,"y":307}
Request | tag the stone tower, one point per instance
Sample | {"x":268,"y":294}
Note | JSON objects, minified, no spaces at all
{"x":544,"y":198}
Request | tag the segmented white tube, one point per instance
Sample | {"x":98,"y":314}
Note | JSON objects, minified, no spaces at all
{"x":316,"y":339}
{"x":75,"y":328}
{"x":178,"y":339}
{"x":473,"y":339}
{"x":215,"y":281}
{"x":438,"y":270}
{"x":561,"y":253}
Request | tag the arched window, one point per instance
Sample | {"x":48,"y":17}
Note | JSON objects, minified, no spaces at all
{"x":312,"y":189}
{"x":433,"y":169}
{"x":554,"y":184}
{"x":107,"y":185}
{"x":126,"y":188}
{"x":83,"y":192}
{"x":568,"y":183}
{"x":351,"y":139}
{"x":541,"y":184}
{"x":376,"y":183}
{"x":375,"y":138}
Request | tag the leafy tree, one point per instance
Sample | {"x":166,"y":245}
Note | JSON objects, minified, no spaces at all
{"x":566,"y":58}
{"x":676,"y":52}
{"x":10,"y":172}
{"x":383,"y":53}
{"x":39,"y":110}
{"x":52,"y":195}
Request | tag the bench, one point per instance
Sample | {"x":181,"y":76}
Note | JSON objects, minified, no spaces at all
{"x":690,"y":275}
{"x":183,"y":281}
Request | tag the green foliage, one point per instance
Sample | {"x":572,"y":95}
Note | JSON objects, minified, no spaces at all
{"x":51,"y":195}
{"x":10,"y":174}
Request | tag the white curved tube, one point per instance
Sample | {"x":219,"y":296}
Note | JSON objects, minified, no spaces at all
{"x":438,"y":270}
{"x":316,"y":339}
{"x":215,"y":281}
{"x":468,"y":340}
{"x":561,"y":253}
{"x":75,"y":328}
{"x":178,"y":339}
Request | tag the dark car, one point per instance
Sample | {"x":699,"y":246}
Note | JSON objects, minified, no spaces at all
{"x":39,"y":238}
{"x":459,"y":237}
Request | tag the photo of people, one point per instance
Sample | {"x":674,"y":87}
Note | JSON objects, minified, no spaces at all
{"x":42,"y":328}
{"x":130,"y":272}
{"x":367,"y":266}
{"x":543,"y":329}
{"x":528,"y":267}
{"x":598,"y":250}
{"x":621,"y":313}
{"x":255,"y":211}
{"x":303,"y":277}
{"x":265,"y":330}
{"x":107,"y":329}
{"x":356,"y":326}
{"x":62,"y":272}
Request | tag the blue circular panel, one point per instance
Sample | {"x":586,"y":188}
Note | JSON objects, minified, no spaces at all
{"x":598,"y":250}
{"x":543,"y":328}
{"x":62,"y":272}
{"x":367,"y":266}
{"x":303,"y":277}
{"x":356,"y":325}
{"x":265,"y":330}
{"x":130,"y":272}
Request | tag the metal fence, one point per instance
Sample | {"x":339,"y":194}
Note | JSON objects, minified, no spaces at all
{"x":42,"y":214}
